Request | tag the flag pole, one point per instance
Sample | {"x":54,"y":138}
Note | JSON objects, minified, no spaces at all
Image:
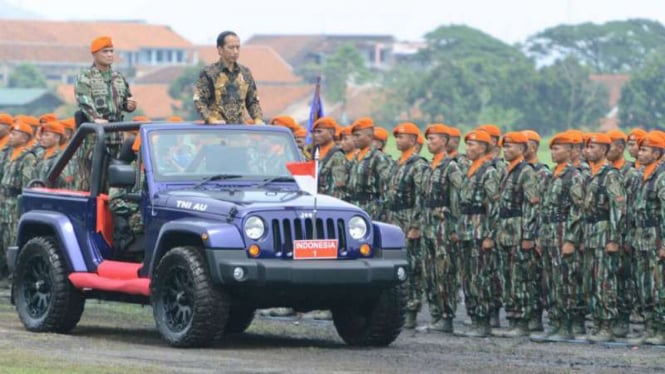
{"x":316,"y":181}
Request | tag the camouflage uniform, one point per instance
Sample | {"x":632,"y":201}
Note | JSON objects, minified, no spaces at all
{"x":604,"y":204}
{"x":499,"y":261}
{"x":127,"y":218}
{"x":103,"y":95}
{"x":542,"y":281}
{"x":439,"y":205}
{"x":44,"y":164}
{"x":649,"y":224}
{"x":561,"y":221}
{"x":368,"y":179}
{"x":517,"y":211}
{"x":478,"y":194}
{"x":582,"y":295}
{"x":16,"y":173}
{"x":224,"y":94}
{"x":403,"y":202}
{"x":332,"y":173}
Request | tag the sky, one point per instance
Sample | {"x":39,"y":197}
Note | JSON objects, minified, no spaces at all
{"x":201,"y":20}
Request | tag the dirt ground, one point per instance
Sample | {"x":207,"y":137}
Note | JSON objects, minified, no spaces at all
{"x":114,"y":338}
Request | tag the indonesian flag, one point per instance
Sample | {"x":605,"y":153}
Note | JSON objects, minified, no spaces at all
{"x":306,"y":174}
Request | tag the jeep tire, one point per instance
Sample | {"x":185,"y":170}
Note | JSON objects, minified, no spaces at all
{"x":376,"y":322}
{"x":240,"y":317}
{"x":46,"y":301}
{"x":189,"y":310}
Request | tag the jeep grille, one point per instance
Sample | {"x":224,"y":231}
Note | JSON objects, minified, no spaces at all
{"x":285,"y":231}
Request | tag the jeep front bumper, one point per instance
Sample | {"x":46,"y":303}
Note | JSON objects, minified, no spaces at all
{"x":224,"y":265}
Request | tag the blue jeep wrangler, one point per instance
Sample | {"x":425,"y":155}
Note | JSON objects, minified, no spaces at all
{"x":226,"y":231}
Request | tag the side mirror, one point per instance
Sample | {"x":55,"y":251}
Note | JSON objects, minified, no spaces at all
{"x":121,"y":175}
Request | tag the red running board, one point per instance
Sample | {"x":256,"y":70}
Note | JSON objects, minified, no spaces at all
{"x":113,"y":276}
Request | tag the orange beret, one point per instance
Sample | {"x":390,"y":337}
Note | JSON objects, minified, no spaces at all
{"x":493,"y":130}
{"x":636,"y":134}
{"x":69,"y":123}
{"x":514,"y":137}
{"x":28,"y":120}
{"x":285,"y":121}
{"x":346,"y":131}
{"x":174,"y":119}
{"x":437,"y":128}
{"x":23,"y":127}
{"x":598,"y":138}
{"x":6,"y":119}
{"x":325,"y":123}
{"x":565,"y":138}
{"x":380,"y":134}
{"x":478,"y":136}
{"x":300,"y":132}
{"x":454,"y":132}
{"x":141,"y":119}
{"x":362,"y":123}
{"x":421,"y":139}
{"x":100,"y":43}
{"x":53,"y":126}
{"x":617,"y":135}
{"x":532,"y":135}
{"x":578,"y":134}
{"x":48,"y":117}
{"x":653,"y":139}
{"x":406,"y":128}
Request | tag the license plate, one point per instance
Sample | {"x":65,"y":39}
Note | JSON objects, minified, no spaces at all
{"x":314,"y":249}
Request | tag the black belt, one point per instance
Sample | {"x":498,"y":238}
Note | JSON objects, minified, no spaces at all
{"x":437,"y":204}
{"x":509,"y":213}
{"x":469,"y":210}
{"x":600,"y":217}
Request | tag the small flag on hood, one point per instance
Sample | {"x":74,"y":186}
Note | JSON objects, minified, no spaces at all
{"x":305,"y":175}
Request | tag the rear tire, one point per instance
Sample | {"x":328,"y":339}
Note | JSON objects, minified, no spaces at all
{"x":46,"y":301}
{"x":189,"y":310}
{"x":377,"y":322}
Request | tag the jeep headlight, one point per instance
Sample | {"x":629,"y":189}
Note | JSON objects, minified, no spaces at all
{"x":254,"y":227}
{"x":357,"y":227}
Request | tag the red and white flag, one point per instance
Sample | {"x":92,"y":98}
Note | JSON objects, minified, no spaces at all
{"x":305,"y":174}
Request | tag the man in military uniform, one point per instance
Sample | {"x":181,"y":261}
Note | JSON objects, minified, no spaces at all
{"x":604,"y":207}
{"x":478,"y":195}
{"x":402,"y":197}
{"x":380,"y":138}
{"x":370,"y":172}
{"x":649,"y":224}
{"x":226,"y":89}
{"x":332,"y":172}
{"x":16,"y":173}
{"x":6,"y":122}
{"x":632,"y":142}
{"x":439,"y":194}
{"x":103,"y":94}
{"x":52,"y":136}
{"x":515,"y":234}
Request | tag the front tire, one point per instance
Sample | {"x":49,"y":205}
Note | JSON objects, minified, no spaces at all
{"x":377,"y":322}
{"x":189,"y":310}
{"x":46,"y":301}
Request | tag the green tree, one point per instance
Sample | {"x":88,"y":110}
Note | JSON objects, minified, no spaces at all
{"x":642,"y":100}
{"x":26,"y":76}
{"x":183,"y":89}
{"x":612,"y":47}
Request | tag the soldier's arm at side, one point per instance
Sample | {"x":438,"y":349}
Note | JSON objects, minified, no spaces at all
{"x":530,"y":204}
{"x":617,"y":197}
{"x":203,"y":95}
{"x":415,"y":214}
{"x":491,"y":186}
{"x":573,"y":223}
{"x":83,"y":92}
{"x":28,"y":168}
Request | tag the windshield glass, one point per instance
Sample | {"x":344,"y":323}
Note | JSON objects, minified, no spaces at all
{"x":194,"y":155}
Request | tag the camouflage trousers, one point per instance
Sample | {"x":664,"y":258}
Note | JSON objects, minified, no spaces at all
{"x":644,"y":266}
{"x":582,"y":296}
{"x":8,"y":229}
{"x":659,"y":292}
{"x":373,"y":208}
{"x":626,"y":289}
{"x":561,"y":296}
{"x":477,"y":270}
{"x":127,"y":222}
{"x":519,"y":289}
{"x":600,"y":282}
{"x":414,"y":258}
{"x":441,"y":282}
{"x":500,"y":281}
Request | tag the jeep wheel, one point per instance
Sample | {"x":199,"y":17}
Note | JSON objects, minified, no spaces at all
{"x":240,"y":317}
{"x":374,"y":323}
{"x":189,"y":310}
{"x":45,"y":299}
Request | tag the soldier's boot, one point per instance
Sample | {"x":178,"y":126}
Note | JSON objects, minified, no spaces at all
{"x":579,"y":327}
{"x":521,"y":329}
{"x":649,"y":332}
{"x":494,"y":318}
{"x":442,"y":325}
{"x":621,"y":326}
{"x":511,"y":323}
{"x":604,"y":333}
{"x":481,"y":328}
{"x":564,"y":331}
{"x":555,"y":326}
{"x":658,"y":337}
{"x":410,"y":320}
{"x":536,"y":321}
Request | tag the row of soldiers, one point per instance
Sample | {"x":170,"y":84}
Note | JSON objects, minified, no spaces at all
{"x":510,"y":232}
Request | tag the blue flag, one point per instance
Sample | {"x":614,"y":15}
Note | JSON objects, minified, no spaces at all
{"x":315,"y":111}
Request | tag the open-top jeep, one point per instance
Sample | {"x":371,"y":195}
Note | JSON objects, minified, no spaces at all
{"x":226,"y":231}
